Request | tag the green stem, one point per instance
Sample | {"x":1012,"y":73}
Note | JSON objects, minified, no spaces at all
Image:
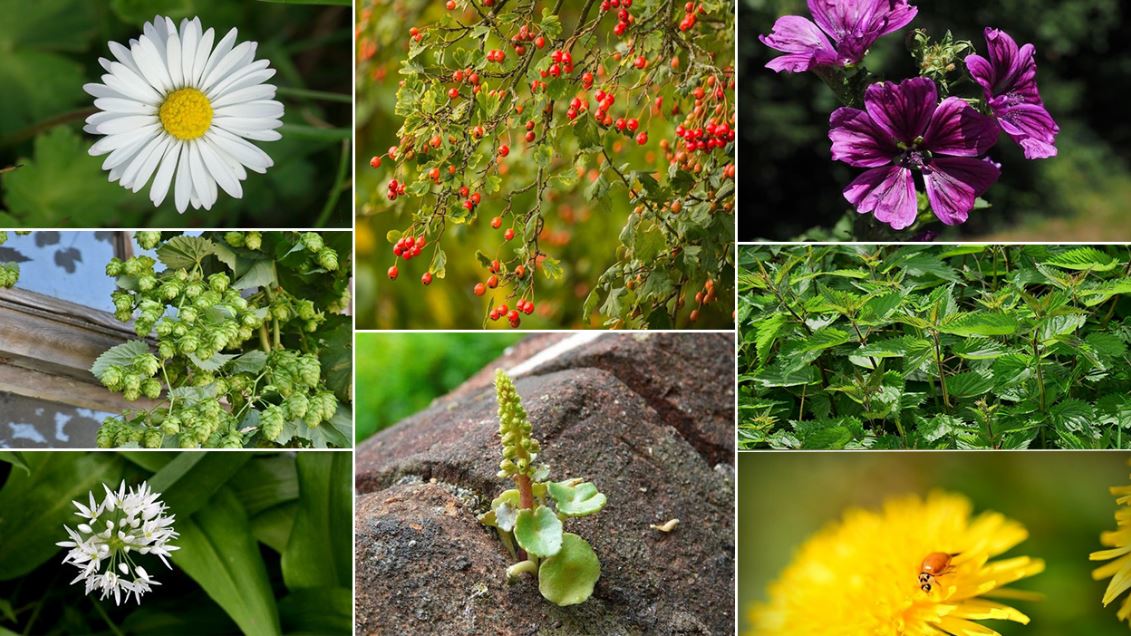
{"x":306,"y":93}
{"x":106,"y":618}
{"x":336,"y":191}
{"x":264,"y":339}
{"x":942,"y":373}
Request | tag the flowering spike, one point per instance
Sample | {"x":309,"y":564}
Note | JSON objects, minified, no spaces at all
{"x":519,"y":447}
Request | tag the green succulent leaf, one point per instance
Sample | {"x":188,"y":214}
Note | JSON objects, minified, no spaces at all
{"x":576,"y":500}
{"x":568,"y":577}
{"x":538,"y":531}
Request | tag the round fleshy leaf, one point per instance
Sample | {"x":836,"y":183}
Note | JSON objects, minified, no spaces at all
{"x":505,"y":516}
{"x":568,"y":577}
{"x":576,"y":500}
{"x":538,"y":531}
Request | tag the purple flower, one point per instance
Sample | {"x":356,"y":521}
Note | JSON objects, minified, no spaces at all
{"x":853,"y":25}
{"x":904,"y":127}
{"x":1009,"y":81}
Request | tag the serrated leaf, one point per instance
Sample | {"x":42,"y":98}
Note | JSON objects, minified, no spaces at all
{"x":1084,"y":258}
{"x":969,"y":384}
{"x":121,"y":355}
{"x":552,"y":268}
{"x":185,"y":252}
{"x":979,"y":349}
{"x":979,"y":323}
{"x":251,"y":362}
{"x":825,"y":339}
{"x":893,"y":347}
{"x":256,"y":273}
{"x":1072,"y":415}
{"x":766,"y":333}
{"x":215,"y":363}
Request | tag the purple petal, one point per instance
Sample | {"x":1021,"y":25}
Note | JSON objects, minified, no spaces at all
{"x":954,"y":183}
{"x":1030,"y":125}
{"x":958,"y":130}
{"x":806,"y":44}
{"x":902,"y":110}
{"x":898,"y":15}
{"x":856,"y":24}
{"x":857,"y":141}
{"x":1008,"y":70}
{"x":889,"y":193}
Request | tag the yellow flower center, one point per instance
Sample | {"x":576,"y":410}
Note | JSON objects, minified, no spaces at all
{"x":186,"y":114}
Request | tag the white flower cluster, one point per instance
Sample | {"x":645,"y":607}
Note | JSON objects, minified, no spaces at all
{"x":125,"y":521}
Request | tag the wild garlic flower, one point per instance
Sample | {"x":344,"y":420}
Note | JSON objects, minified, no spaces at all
{"x":916,"y":568}
{"x":173,"y":104}
{"x":125,"y":521}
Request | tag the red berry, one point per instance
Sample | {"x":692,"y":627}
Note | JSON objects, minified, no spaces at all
{"x":513,"y":315}
{"x":497,"y":222}
{"x":493,"y":282}
{"x":451,"y":5}
{"x":504,"y":150}
{"x":375,"y":161}
{"x":509,"y":234}
{"x":453,"y":92}
{"x":426,"y":278}
{"x":480,"y":289}
{"x":539,"y":41}
{"x":530,"y":136}
{"x":642,"y":138}
{"x":633,"y":124}
{"x":393,"y":272}
{"x":475,"y":198}
{"x":529,"y":308}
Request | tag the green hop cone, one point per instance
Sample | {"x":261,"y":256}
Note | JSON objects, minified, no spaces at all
{"x":297,"y":406}
{"x":253,"y":240}
{"x":114,"y":268}
{"x":328,"y":259}
{"x":306,"y":309}
{"x":219,"y":282}
{"x":171,"y":425}
{"x":232,"y":440}
{"x":152,"y":438}
{"x":235,"y":239}
{"x":112,"y":378}
{"x":147,"y":364}
{"x":151,"y":388}
{"x":147,"y":240}
{"x":312,"y":242}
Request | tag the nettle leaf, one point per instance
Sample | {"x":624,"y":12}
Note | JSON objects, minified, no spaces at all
{"x":980,"y":323}
{"x":969,"y":383}
{"x":767,"y":331}
{"x":185,"y":252}
{"x":576,"y":500}
{"x":879,"y":308}
{"x":825,"y":339}
{"x":979,"y":349}
{"x":1103,"y":292}
{"x":538,"y":531}
{"x":780,"y":376}
{"x":1072,"y":415}
{"x":1084,"y":258}
{"x":893,"y":348}
{"x":568,"y":577}
{"x":1054,"y":327}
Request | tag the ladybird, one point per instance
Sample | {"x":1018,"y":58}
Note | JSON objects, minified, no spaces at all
{"x":934,"y":565}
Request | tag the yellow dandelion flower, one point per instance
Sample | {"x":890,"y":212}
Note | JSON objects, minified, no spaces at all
{"x":918,"y":567}
{"x":1119,"y":541}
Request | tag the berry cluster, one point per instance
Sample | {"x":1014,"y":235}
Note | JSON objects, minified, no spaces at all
{"x":237,"y":362}
{"x":690,"y":10}
{"x":9,"y":272}
{"x":625,"y":19}
{"x":395,"y":188}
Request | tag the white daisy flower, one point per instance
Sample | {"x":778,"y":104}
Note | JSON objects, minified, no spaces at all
{"x":125,"y":521}
{"x":173,"y":104}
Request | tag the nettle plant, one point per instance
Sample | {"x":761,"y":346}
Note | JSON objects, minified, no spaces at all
{"x":529,"y":527}
{"x":250,"y":341}
{"x":506,"y":111}
{"x":895,"y":130}
{"x":935,"y":347}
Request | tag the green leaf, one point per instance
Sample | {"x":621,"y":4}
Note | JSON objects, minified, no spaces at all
{"x":1072,"y":415}
{"x":767,"y":331}
{"x":37,"y":81}
{"x":138,"y":11}
{"x":189,"y":481}
{"x":979,"y":349}
{"x":1084,"y":258}
{"x":215,"y":363}
{"x":825,"y":339}
{"x":265,"y":482}
{"x":317,"y":610}
{"x":969,"y":384}
{"x":344,"y":3}
{"x":576,"y":500}
{"x":781,"y":376}
{"x":251,"y":362}
{"x":1103,"y":292}
{"x":980,"y":323}
{"x":34,"y":193}
{"x":568,"y":577}
{"x":218,"y":551}
{"x":538,"y":531}
{"x":35,"y":505}
{"x":552,"y":268}
{"x":893,"y":347}
{"x":256,"y":273}
{"x":551,"y":24}
{"x":16,"y":459}
{"x":122,"y":355}
{"x":320,"y":550}
{"x":185,"y":252}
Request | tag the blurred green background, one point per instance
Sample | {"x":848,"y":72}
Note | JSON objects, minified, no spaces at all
{"x":48,"y":50}
{"x":399,"y":374}
{"x":1061,"y":497}
{"x":1083,"y":61}
{"x":583,"y":234}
